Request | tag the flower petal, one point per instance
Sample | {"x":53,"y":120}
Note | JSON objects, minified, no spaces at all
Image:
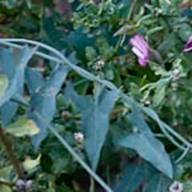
{"x":139,"y":42}
{"x":143,"y":62}
{"x":188,"y":45}
{"x":138,"y":53}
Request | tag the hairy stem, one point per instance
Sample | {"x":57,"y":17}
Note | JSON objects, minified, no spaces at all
{"x":10,"y":154}
{"x":92,"y":185}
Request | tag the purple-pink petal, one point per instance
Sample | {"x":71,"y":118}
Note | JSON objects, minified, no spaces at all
{"x":141,"y":49}
{"x":139,"y":42}
{"x":138,"y":53}
{"x":143,"y":62}
{"x":188,"y":45}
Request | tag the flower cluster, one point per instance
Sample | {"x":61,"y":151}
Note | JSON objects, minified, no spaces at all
{"x":142,"y":50}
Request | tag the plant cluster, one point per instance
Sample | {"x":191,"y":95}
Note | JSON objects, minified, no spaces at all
{"x":98,"y":99}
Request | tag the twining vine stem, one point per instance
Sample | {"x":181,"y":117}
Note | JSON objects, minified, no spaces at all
{"x":60,"y":58}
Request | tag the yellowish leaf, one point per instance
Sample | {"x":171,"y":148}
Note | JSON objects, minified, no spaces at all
{"x":23,"y":127}
{"x":30,"y":164}
{"x":3,"y":84}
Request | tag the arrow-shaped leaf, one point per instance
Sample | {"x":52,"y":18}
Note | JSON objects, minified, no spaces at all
{"x":43,"y":101}
{"x":150,"y":149}
{"x":157,"y":183}
{"x":13,"y":65}
{"x":95,"y":116}
{"x":131,"y":179}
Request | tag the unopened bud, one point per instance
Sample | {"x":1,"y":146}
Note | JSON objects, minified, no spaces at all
{"x":147,"y":103}
{"x":176,"y":187}
{"x":28,"y":185}
{"x":20,"y":184}
{"x":175,"y":74}
{"x":23,"y":186}
{"x":79,"y":137}
{"x":99,"y":65}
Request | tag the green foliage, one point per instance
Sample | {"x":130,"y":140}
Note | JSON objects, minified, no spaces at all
{"x":3,"y":84}
{"x":23,"y":127}
{"x":95,"y":117}
{"x":5,"y":188}
{"x":132,"y":178}
{"x":139,"y":173}
{"x":80,"y":99}
{"x":150,"y":149}
{"x":43,"y":101}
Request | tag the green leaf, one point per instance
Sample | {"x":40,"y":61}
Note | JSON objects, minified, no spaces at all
{"x":150,"y":149}
{"x":137,"y":119}
{"x":140,"y":172}
{"x":53,"y":35}
{"x":185,"y":31}
{"x":188,"y":186}
{"x":79,"y":41}
{"x":43,"y":101}
{"x":96,"y":124}
{"x":3,"y":84}
{"x":146,"y":145}
{"x":8,"y":67}
{"x":23,"y":127}
{"x":29,"y":164}
{"x":131,"y":179}
{"x":160,"y":91}
{"x":5,"y":172}
{"x":16,"y":82}
{"x":167,"y":43}
{"x":159,"y":95}
{"x":5,"y":188}
{"x":34,"y":80}
{"x":157,"y":183}
{"x":95,"y":116}
{"x":13,"y":65}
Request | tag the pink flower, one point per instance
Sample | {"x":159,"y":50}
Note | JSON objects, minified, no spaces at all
{"x":141,"y":48}
{"x":188,"y":45}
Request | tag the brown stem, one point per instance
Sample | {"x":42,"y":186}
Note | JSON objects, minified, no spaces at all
{"x":8,"y":148}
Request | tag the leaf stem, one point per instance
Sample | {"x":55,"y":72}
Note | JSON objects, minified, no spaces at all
{"x":92,"y":185}
{"x":131,"y":10}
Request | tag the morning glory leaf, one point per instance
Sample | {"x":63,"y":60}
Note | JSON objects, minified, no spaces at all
{"x":14,"y":67}
{"x":95,"y":117}
{"x":43,"y":102}
{"x":150,"y":149}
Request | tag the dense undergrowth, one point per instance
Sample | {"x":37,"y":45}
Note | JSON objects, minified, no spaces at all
{"x":95,"y":95}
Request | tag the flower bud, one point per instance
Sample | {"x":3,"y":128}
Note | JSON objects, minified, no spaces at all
{"x":79,"y":137}
{"x":176,"y":186}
